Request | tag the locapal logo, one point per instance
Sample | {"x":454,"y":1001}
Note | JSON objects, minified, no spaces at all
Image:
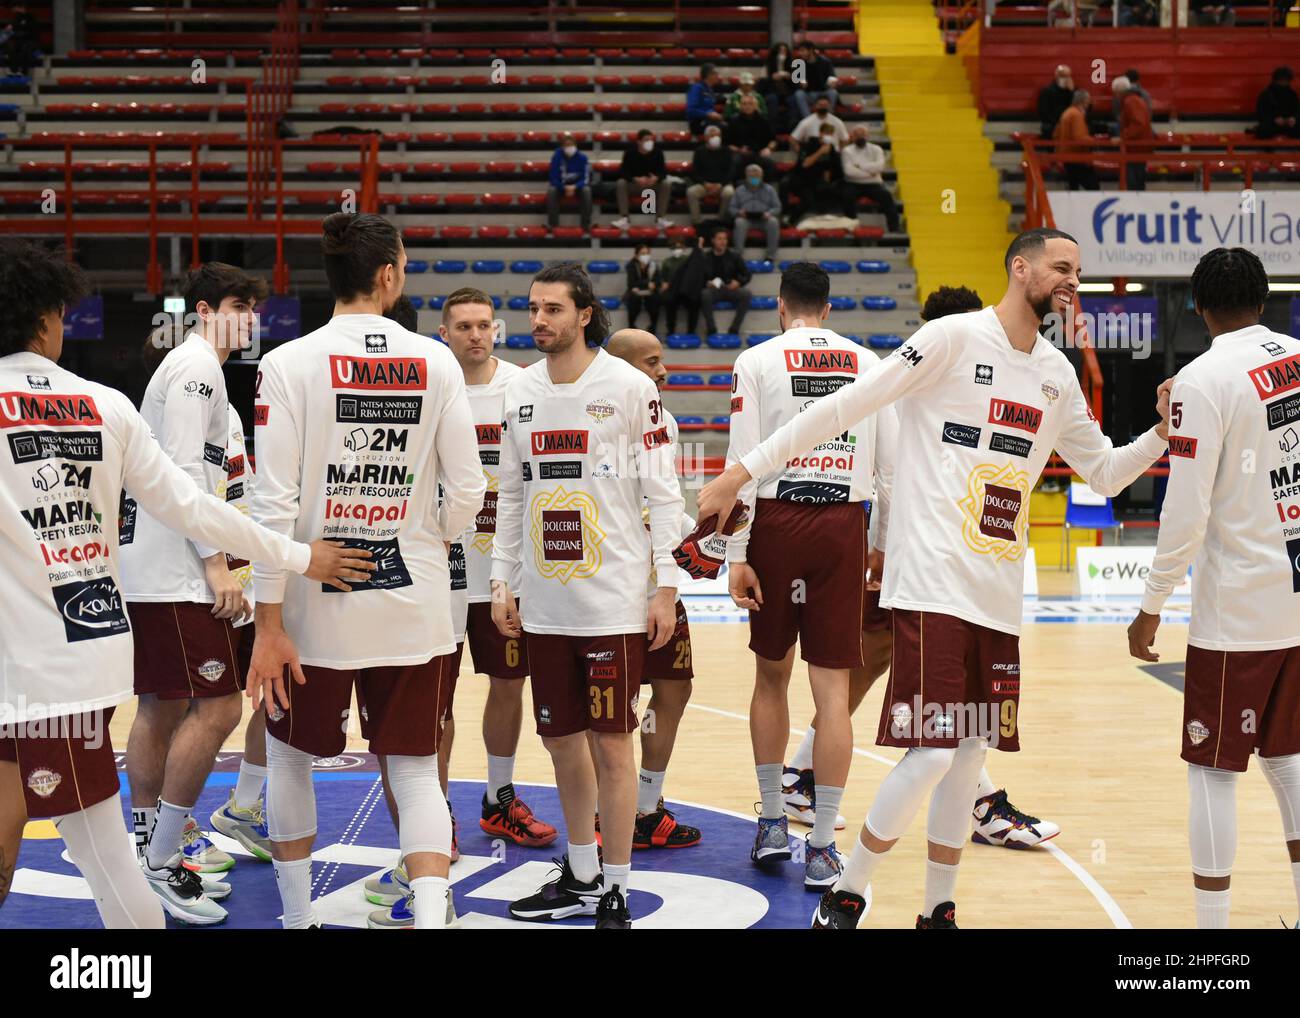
{"x":822,"y":361}
{"x":18,"y":409}
{"x":377,"y":372}
{"x":88,"y":552}
{"x":1015,"y":415}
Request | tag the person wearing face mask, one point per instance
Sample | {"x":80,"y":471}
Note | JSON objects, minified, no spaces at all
{"x":679,"y":255}
{"x":643,"y":170}
{"x":712,"y":172}
{"x":864,"y":165}
{"x":1055,"y":99}
{"x":702,"y":102}
{"x":819,"y":79}
{"x":817,"y":176}
{"x":642,"y":288}
{"x":811,"y":126}
{"x":755,"y":203}
{"x":570,"y":177}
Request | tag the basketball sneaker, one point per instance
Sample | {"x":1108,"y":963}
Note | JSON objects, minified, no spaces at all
{"x":509,"y":817}
{"x":181,"y":892}
{"x":200,"y":855}
{"x":997,"y":822}
{"x":799,"y":793}
{"x":660,"y":829}
{"x":388,"y":888}
{"x":612,"y":912}
{"x":401,"y":914}
{"x":560,"y":898}
{"x":841,"y":910}
{"x":772,"y":843}
{"x":247,"y":826}
{"x":822,"y":867}
{"x":944,"y":917}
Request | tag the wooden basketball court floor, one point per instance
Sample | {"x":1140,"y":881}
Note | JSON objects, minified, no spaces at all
{"x":1100,"y":743}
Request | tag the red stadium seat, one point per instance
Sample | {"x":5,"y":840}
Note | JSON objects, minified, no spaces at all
{"x":501,"y":166}
{"x":868,"y":232}
{"x":639,"y":108}
{"x":609,"y":80}
{"x":605,"y":165}
{"x":823,"y":234}
{"x":471,"y":109}
{"x":643,"y":232}
{"x":376,"y":80}
{"x":475,"y":81}
{"x":670,"y":137}
{"x":574,"y":80}
{"x":674,"y":53}
{"x":540,"y":81}
{"x":465,"y":167}
{"x":609,"y":53}
{"x":444,"y":55}
{"x":541,"y":108}
{"x":437,"y":109}
{"x":567,"y":232}
{"x":493,"y":232}
{"x":538,"y":137}
{"x":402,"y":107}
{"x":394,"y":167}
{"x":606,"y":232}
{"x":612,"y":109}
{"x":424,"y":201}
{"x":609,"y":137}
{"x":433,"y":137}
{"x":467,"y":137}
{"x":430,"y":169}
{"x":340,"y":80}
{"x":440,"y":81}
{"x":680,"y":232}
{"x":531,"y":232}
{"x":572,"y":107}
{"x":459,"y":200}
{"x":530,"y":201}
{"x":791,"y":233}
{"x":420,"y":232}
{"x":497,"y":199}
{"x":324,"y":107}
{"x":455,"y":232}
{"x":503,"y":137}
{"x":535,"y":166}
{"x":367,"y":109}
{"x":505,"y":109}
{"x":322,"y":167}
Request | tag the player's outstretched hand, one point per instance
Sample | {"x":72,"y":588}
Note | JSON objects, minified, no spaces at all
{"x":662,"y":620}
{"x":719,"y":496}
{"x":273,"y":651}
{"x":505,"y":611}
{"x":1142,"y":636}
{"x":742,"y":584}
{"x":875,"y":568}
{"x":333,"y":564}
{"x":1162,"y":406}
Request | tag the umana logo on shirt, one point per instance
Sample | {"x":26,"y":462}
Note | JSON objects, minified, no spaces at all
{"x":554,"y":443}
{"x":1015,"y":415}
{"x":18,"y":409}
{"x":1278,"y":377}
{"x":822,"y":361}
{"x":347,"y":372}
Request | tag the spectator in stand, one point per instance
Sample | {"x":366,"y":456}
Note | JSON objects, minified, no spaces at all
{"x":1278,"y":108}
{"x":1055,"y":99}
{"x":1209,"y":13}
{"x":863,"y":164}
{"x":23,"y":47}
{"x":1139,"y":13}
{"x":817,"y":178}
{"x":678,"y":255}
{"x":818,"y":76}
{"x":712,"y":170}
{"x":642,"y":288}
{"x":643,"y":169}
{"x":701,"y":102}
{"x":724,"y":276}
{"x":810,"y":127}
{"x":746,"y":88}
{"x":570,"y":177}
{"x":1071,"y":136}
{"x":778,"y":90}
{"x":1133,"y":80}
{"x":756,"y":204}
{"x":749,"y":136}
{"x":1134,"y":125}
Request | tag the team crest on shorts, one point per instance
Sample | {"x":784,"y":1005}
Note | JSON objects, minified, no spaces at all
{"x":44,"y":781}
{"x":1197,"y":732}
{"x":211,"y":670}
{"x":901,"y":716}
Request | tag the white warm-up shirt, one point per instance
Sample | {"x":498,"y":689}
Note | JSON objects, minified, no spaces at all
{"x":238,"y":491}
{"x":1232,"y":508}
{"x":355,"y":423}
{"x":485,"y":403}
{"x":577,"y":461}
{"x":68,"y":448}
{"x":977,"y":420}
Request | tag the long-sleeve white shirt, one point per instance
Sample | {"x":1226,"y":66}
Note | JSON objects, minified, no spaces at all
{"x":865,"y":165}
{"x":238,"y":491}
{"x":68,"y":449}
{"x":577,"y":461}
{"x":485,"y":402}
{"x":977,"y":421}
{"x":355,"y":423}
{"x":1232,"y":508}
{"x":810,"y":126}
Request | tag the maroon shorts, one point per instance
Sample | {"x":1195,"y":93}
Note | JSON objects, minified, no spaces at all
{"x":246,"y":635}
{"x":673,"y":659}
{"x":811,"y":563}
{"x":402,"y":708}
{"x":585,"y":682}
{"x":502,"y":657}
{"x":874,"y":618}
{"x":449,"y":687}
{"x":65,"y":763}
{"x":182,"y":652}
{"x":1236,"y":702}
{"x":949,"y":680}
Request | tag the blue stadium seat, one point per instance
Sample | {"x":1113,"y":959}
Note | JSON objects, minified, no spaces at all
{"x":496,"y":303}
{"x":599,"y":266}
{"x":436,"y":303}
{"x":518,"y":303}
{"x":754,"y":338}
{"x":683,"y":341}
{"x":871,"y":265}
{"x":526,"y":266}
{"x":721,"y":379}
{"x":688,"y":421}
{"x":610,"y":303}
{"x":884,"y":341}
{"x":759,"y":266}
{"x":723,"y":341}
{"x":842,"y":303}
{"x":833,"y":266}
{"x":520,"y":341}
{"x":720,"y":420}
{"x":853,"y":337}
{"x":763,"y":304}
{"x":785,"y":263}
{"x":485,"y":266}
{"x":417,"y":265}
{"x":417,"y":302}
{"x":724,"y":305}
{"x":685,"y":379}
{"x":449,"y":265}
{"x":879,"y":303}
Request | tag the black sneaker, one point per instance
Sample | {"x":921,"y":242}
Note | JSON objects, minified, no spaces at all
{"x":561,"y":898}
{"x":839,"y":910}
{"x":944,"y":918}
{"x":612,"y":912}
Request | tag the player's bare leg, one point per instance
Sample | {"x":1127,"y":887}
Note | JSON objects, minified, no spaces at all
{"x":504,"y":814}
{"x":616,"y":765}
{"x":503,"y":716}
{"x":147,"y":746}
{"x":13,"y":818}
{"x":575,"y":781}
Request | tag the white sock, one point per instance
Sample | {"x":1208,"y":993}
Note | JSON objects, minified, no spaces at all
{"x":142,"y":821}
{"x":584,"y":861}
{"x":617,"y":877}
{"x":165,"y":841}
{"x":802,"y":760}
{"x":769,"y":790}
{"x":862,"y":862}
{"x":501,"y":773}
{"x":1212,"y":909}
{"x":1295,"y":879}
{"x":985,"y":787}
{"x":430,"y":906}
{"x":648,"y":790}
{"x":248,"y":789}
{"x":294,"y":881}
{"x":828,"y":810}
{"x":940,"y":884}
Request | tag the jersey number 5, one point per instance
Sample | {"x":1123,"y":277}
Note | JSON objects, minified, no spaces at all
{"x":1176,"y":414}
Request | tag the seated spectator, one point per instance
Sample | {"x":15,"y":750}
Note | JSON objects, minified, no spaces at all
{"x":810,"y":127}
{"x":642,"y":288}
{"x":778,"y":70}
{"x":701,"y":102}
{"x":817,"y":177}
{"x":745,"y":89}
{"x":1142,"y":13}
{"x":1208,"y":13}
{"x":819,"y":79}
{"x":23,"y":41}
{"x":1062,"y":14}
{"x":643,"y":168}
{"x":724,"y":274}
{"x":669,"y":298}
{"x":570,"y":178}
{"x":1072,"y":136}
{"x":778,"y":91}
{"x":749,"y":136}
{"x":864,"y":166}
{"x":712,"y":170}
{"x":1134,"y":125}
{"x":755,"y":203}
{"x":1054,"y":99}
{"x":1278,"y":108}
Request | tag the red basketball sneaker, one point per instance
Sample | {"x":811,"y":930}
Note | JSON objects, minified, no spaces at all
{"x":660,"y":829}
{"x":510,"y":817}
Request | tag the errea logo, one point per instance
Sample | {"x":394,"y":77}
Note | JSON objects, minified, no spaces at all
{"x":75,"y":971}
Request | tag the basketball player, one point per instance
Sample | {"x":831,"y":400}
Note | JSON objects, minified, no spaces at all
{"x":982,"y":401}
{"x":355,"y":423}
{"x":584,"y":447}
{"x":668,"y":670}
{"x":1233,"y":506}
{"x":71,"y":446}
{"x":997,"y":821}
{"x":799,"y":567}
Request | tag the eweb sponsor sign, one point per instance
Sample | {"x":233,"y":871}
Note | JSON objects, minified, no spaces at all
{"x":1118,"y":570}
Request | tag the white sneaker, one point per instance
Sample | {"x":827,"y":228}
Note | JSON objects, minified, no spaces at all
{"x":664,"y":222}
{"x":798,"y":793}
{"x":388,"y":888}
{"x":622,"y":222}
{"x":401,"y":914}
{"x":247,"y":826}
{"x":997,"y":822}
{"x":182,"y":895}
{"x":199,"y":854}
